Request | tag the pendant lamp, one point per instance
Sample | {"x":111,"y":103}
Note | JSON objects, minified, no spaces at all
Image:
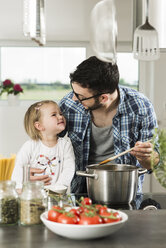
{"x":103,"y":36}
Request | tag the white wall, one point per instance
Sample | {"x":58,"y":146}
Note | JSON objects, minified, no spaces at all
{"x":153,"y":85}
{"x":12,"y":133}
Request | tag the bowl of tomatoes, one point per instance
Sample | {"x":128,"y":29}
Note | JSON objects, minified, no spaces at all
{"x":83,"y":222}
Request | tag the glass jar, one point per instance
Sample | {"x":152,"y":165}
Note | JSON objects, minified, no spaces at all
{"x":62,"y":200}
{"x":33,"y":202}
{"x":8,"y":203}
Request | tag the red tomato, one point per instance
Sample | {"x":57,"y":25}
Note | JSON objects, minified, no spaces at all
{"x":89,"y":219}
{"x":103,"y":209}
{"x":68,"y":218}
{"x":117,"y":215}
{"x":54,"y":213}
{"x":98,"y":206}
{"x":86,"y":201}
{"x":86,"y":208}
{"x":75,"y":211}
{"x":109,"y":217}
{"x":56,"y":207}
{"x":80,"y":209}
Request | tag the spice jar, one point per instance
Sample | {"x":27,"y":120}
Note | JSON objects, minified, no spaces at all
{"x":33,"y":202}
{"x":8,"y":203}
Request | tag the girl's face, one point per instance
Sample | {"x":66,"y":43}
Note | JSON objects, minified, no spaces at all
{"x":52,"y":121}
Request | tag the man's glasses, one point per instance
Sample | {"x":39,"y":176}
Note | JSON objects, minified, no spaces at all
{"x":87,"y":98}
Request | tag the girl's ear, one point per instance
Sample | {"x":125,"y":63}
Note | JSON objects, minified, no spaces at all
{"x":38,"y":126}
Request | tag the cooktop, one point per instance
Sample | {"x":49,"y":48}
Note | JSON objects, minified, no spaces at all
{"x":146,"y":201}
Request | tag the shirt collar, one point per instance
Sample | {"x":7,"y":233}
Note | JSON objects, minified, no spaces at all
{"x":121,"y":107}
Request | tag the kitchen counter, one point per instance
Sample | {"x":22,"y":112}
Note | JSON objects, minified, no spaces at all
{"x":144,"y":229}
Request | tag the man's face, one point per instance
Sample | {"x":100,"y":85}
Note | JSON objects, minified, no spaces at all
{"x":89,"y":100}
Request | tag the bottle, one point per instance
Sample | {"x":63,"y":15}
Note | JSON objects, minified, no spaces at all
{"x":26,"y":173}
{"x":33,"y":202}
{"x":8,"y":203}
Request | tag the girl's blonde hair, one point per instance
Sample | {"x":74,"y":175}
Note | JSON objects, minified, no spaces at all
{"x":32,"y":115}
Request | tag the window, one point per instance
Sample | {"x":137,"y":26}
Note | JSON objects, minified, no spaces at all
{"x":128,"y":69}
{"x":44,"y":72}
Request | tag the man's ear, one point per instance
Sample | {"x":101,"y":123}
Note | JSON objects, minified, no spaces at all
{"x":38,"y":126}
{"x":104,"y":97}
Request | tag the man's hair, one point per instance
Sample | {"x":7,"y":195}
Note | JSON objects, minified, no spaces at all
{"x":96,"y":75}
{"x":32,"y":115}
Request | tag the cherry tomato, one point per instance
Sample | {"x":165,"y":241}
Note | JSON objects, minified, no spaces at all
{"x":54,"y":213}
{"x":98,"y":206}
{"x":75,"y":211}
{"x":103,"y":209}
{"x":117,"y":215}
{"x":86,"y":201}
{"x":56,"y":207}
{"x":68,"y":218}
{"x":89,"y":219}
{"x":86,"y":208}
{"x":109,"y":217}
{"x":80,"y":209}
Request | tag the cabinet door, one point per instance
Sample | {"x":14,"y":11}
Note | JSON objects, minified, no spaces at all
{"x":66,"y":20}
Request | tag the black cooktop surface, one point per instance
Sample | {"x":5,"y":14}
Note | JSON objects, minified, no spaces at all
{"x":146,"y":201}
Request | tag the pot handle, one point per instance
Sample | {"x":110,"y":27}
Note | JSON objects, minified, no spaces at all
{"x":85,"y":174}
{"x":142,"y":171}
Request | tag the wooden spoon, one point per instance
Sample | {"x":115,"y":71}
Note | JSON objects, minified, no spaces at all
{"x":120,"y":154}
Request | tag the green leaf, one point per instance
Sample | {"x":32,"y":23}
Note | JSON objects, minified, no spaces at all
{"x":160,"y":170}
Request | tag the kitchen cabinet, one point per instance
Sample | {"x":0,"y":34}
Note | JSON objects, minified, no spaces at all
{"x":144,"y":229}
{"x":65,"y":20}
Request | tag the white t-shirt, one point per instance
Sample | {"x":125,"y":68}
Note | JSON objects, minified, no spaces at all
{"x":58,"y":161}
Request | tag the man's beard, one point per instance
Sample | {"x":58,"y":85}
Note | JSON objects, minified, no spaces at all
{"x":96,"y":105}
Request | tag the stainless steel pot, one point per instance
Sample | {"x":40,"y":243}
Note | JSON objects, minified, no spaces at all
{"x":112,"y":183}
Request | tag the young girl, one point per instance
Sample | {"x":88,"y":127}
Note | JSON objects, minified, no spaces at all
{"x":43,"y":122}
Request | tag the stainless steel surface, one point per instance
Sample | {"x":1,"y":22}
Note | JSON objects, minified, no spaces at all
{"x":85,"y":174}
{"x":114,"y":183}
{"x":144,"y":229}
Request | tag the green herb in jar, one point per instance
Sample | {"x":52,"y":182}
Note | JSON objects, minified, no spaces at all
{"x":8,"y":210}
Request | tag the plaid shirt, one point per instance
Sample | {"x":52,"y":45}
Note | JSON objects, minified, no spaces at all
{"x":134,"y":121}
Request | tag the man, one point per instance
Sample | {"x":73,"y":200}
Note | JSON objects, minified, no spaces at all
{"x":104,"y":119}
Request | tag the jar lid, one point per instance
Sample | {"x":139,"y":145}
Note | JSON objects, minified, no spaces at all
{"x":7,"y":183}
{"x":30,"y":184}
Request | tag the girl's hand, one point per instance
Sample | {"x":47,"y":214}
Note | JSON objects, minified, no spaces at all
{"x":44,"y":178}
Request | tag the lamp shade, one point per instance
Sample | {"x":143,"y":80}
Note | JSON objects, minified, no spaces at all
{"x":103,"y":35}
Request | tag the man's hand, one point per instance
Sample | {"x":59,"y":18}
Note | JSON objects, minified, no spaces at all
{"x":44,"y":178}
{"x":143,"y":151}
